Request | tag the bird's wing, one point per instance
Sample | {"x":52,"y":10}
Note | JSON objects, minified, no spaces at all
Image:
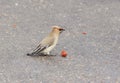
{"x":45,"y":43}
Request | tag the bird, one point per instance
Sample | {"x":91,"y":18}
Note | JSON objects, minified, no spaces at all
{"x":48,"y":43}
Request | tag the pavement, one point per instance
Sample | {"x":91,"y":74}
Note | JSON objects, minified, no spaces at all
{"x":91,"y":39}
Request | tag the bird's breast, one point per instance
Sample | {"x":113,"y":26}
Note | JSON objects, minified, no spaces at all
{"x":52,"y":46}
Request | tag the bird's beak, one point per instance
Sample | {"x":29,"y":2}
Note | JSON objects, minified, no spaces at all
{"x":61,"y":29}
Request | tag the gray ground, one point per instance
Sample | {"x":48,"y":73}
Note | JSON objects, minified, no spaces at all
{"x":92,"y":58}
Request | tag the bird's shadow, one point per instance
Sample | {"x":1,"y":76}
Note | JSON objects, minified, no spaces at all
{"x":42,"y":55}
{"x":42,"y":58}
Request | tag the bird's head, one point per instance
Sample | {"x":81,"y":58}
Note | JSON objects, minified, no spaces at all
{"x":58,"y":29}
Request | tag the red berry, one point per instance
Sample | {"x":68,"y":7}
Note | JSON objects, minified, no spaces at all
{"x":63,"y":53}
{"x":84,"y":33}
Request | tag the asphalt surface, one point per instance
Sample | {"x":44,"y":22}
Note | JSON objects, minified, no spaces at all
{"x":91,"y":39}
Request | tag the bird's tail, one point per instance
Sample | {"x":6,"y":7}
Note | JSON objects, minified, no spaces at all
{"x":28,"y":54}
{"x":37,"y":51}
{"x":31,"y":54}
{"x":34,"y":53}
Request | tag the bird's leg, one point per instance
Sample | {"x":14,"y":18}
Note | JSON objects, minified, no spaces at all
{"x":46,"y":53}
{"x":42,"y":54}
{"x":49,"y":54}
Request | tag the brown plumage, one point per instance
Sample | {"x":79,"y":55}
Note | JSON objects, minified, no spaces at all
{"x":48,"y":43}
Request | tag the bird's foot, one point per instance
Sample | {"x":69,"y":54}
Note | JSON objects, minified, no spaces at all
{"x":41,"y":54}
{"x":46,"y":54}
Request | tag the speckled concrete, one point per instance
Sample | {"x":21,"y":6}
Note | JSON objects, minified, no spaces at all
{"x":93,"y":57}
